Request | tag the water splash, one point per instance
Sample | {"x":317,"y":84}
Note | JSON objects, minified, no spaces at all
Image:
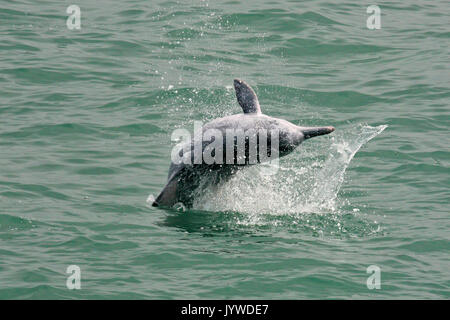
{"x":328,"y":180}
{"x":180,"y":207}
{"x":150,"y":200}
{"x":308,"y":181}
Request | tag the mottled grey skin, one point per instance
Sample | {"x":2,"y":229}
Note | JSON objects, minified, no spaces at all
{"x":184,"y":179}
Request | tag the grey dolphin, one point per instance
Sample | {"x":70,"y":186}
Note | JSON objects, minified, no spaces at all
{"x":185,"y":177}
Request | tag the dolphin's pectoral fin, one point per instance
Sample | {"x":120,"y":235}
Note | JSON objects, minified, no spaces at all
{"x":246,"y":97}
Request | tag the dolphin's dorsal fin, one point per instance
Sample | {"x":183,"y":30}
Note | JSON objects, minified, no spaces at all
{"x":246,"y":97}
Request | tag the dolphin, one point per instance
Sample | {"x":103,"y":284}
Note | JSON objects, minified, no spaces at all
{"x":185,"y":177}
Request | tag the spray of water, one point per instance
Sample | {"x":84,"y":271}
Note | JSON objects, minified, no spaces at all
{"x":307,"y":181}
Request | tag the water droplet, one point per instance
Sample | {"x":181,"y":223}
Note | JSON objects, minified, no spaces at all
{"x":179,"y":207}
{"x":150,"y":199}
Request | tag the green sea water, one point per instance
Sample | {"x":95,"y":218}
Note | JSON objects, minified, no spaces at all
{"x":86,"y":118}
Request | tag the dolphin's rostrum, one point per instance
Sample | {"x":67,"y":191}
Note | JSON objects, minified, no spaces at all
{"x":186,"y":176}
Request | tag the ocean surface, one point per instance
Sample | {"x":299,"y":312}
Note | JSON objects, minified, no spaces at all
{"x":86,"y":118}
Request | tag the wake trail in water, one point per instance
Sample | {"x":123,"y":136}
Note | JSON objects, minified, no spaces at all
{"x":307,"y":181}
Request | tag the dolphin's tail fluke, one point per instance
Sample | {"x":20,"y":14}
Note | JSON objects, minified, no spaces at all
{"x":168,"y":196}
{"x":310,"y":132}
